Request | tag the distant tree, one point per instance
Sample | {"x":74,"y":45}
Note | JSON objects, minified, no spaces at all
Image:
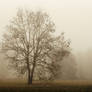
{"x":68,"y":68}
{"x":31,"y":46}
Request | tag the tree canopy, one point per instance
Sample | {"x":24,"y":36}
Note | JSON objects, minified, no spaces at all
{"x":32,"y":48}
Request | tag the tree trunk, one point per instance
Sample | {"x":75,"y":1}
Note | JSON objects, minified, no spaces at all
{"x":28,"y":67}
{"x":31,"y":78}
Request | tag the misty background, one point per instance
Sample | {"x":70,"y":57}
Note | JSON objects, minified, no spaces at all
{"x":74,"y":17}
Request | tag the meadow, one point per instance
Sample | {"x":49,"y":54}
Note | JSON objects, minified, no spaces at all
{"x":48,"y":86}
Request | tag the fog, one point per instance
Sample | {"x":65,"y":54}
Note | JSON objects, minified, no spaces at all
{"x":84,"y":60}
{"x":74,"y":17}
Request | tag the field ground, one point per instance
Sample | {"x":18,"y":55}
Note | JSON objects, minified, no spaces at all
{"x":55,"y":86}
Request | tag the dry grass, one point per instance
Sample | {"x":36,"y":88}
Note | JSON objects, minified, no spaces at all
{"x":22,"y":82}
{"x":50,"y":86}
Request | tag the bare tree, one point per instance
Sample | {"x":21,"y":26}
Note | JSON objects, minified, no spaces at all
{"x":30,"y":41}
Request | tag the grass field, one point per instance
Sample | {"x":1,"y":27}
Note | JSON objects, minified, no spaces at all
{"x":56,"y":86}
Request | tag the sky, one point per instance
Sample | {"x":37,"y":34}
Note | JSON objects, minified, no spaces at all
{"x":74,"y":17}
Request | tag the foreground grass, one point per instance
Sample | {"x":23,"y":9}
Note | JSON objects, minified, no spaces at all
{"x":55,"y":86}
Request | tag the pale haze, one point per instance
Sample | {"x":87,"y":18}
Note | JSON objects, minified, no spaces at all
{"x":74,"y":17}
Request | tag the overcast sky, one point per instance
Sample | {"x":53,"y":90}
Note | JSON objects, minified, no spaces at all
{"x":74,"y":17}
